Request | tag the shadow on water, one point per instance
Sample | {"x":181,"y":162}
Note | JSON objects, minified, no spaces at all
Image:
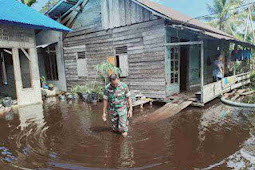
{"x":71,"y":135}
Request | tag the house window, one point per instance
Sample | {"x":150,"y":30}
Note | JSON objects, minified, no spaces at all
{"x":50,"y":62}
{"x":82,"y":64}
{"x":122,"y":60}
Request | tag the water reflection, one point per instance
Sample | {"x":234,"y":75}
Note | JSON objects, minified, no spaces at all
{"x":64,"y":135}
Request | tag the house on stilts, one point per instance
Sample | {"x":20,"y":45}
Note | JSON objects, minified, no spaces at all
{"x":161,"y":52}
{"x":19,"y":71}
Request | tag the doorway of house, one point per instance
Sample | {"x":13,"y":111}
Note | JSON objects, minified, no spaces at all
{"x":184,"y":66}
{"x":7,"y":79}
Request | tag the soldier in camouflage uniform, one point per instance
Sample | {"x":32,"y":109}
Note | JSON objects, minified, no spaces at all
{"x":116,"y":101}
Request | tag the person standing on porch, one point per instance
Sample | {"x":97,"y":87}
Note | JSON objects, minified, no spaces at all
{"x":116,"y":102}
{"x":218,"y":69}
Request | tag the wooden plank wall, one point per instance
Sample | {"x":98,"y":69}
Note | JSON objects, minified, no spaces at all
{"x":116,"y":13}
{"x":146,"y":53}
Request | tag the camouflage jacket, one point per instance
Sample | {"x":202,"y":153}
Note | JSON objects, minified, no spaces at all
{"x":117,"y":97}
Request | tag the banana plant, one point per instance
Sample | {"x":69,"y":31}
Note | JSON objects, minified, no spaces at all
{"x":105,"y":69}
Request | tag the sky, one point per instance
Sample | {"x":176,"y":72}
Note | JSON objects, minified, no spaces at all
{"x":193,"y":8}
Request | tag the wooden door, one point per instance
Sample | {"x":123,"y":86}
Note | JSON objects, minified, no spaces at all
{"x":174,"y":71}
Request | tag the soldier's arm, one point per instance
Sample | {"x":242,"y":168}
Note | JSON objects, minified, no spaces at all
{"x":105,"y":102}
{"x":128,"y":95}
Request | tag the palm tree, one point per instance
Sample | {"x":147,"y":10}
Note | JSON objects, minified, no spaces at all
{"x":223,"y":13}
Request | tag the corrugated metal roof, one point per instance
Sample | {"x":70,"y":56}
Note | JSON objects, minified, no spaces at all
{"x":184,"y":20}
{"x":16,"y":13}
{"x":179,"y":17}
{"x":218,"y":36}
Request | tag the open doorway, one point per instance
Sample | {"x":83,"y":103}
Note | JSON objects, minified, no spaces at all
{"x":7,"y":79}
{"x":184,"y":67}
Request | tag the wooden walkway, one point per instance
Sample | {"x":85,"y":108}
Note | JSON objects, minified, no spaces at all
{"x":165,"y":112}
{"x":168,"y":111}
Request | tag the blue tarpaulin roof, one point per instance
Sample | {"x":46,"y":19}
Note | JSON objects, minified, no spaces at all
{"x":16,"y":13}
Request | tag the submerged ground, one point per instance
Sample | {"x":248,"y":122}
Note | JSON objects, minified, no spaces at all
{"x":71,"y":135}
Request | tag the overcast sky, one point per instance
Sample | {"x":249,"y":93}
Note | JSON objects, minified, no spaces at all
{"x":193,"y":8}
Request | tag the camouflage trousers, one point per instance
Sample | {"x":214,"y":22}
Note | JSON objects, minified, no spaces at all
{"x":119,"y":119}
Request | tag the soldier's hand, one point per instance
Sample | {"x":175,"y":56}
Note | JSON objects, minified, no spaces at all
{"x":104,"y":117}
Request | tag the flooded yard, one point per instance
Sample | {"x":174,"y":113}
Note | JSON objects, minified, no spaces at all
{"x":71,"y":135}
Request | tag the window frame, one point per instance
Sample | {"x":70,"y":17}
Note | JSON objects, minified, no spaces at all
{"x":82,"y":72}
{"x":121,"y":52}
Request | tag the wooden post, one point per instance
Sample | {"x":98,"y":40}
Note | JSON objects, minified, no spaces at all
{"x":17,"y":73}
{"x":202,"y":72}
{"x":5,"y":81}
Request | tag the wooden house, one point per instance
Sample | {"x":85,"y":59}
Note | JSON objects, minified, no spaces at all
{"x":160,"y":51}
{"x":19,"y":73}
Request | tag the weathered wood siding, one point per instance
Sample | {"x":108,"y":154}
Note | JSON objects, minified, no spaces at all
{"x":116,"y":13}
{"x":146,"y":54}
{"x":105,"y":14}
{"x":90,"y":17}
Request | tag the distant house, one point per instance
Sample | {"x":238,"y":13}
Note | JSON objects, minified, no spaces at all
{"x":161,"y":52}
{"x":19,"y":73}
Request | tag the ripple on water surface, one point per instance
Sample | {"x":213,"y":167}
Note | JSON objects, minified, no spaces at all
{"x":71,"y":135}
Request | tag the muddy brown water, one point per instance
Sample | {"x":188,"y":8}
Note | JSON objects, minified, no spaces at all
{"x":71,"y":135}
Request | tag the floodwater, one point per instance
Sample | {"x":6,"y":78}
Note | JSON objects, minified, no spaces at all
{"x":71,"y":135}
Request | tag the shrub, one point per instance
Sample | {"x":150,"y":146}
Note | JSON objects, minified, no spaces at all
{"x":75,"y":89}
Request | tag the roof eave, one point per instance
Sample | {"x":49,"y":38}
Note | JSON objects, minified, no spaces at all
{"x":39,"y":27}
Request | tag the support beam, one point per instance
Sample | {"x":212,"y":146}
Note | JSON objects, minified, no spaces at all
{"x":69,"y":19}
{"x":27,"y":55}
{"x":202,"y":72}
{"x":80,"y":2}
{"x":7,"y":51}
{"x":185,"y":43}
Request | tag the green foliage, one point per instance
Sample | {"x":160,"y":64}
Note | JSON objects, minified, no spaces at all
{"x":233,"y":17}
{"x":85,"y":89}
{"x":99,"y":90}
{"x":29,"y":2}
{"x":48,"y":5}
{"x":89,"y":89}
{"x":104,"y":68}
{"x":43,"y":80}
{"x":75,"y":89}
{"x":223,"y":15}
